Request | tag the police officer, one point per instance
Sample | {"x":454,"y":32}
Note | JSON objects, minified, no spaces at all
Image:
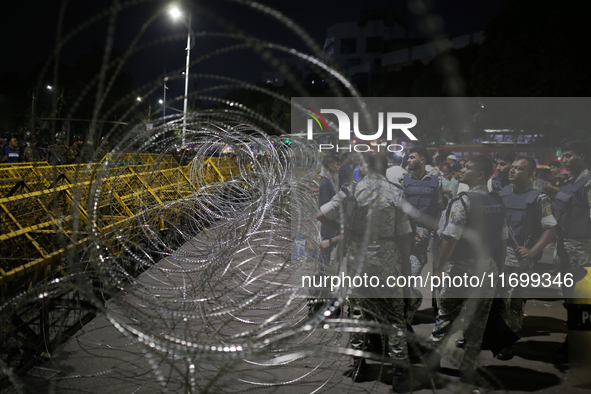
{"x":59,"y":154}
{"x":501,"y":178}
{"x":377,"y":217}
{"x":423,"y":191}
{"x":76,"y":149}
{"x":572,"y":210}
{"x":103,"y":149}
{"x":31,"y":152}
{"x":529,"y":217}
{"x":475,"y":231}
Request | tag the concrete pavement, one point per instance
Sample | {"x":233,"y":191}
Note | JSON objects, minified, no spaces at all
{"x":102,"y":359}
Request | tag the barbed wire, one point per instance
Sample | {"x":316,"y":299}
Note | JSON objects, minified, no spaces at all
{"x":196,"y":292}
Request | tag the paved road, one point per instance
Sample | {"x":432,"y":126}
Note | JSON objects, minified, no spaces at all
{"x":102,"y":359}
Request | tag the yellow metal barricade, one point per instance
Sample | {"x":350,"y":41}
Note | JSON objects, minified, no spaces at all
{"x":41,"y":206}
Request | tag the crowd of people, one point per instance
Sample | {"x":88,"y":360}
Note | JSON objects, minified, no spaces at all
{"x":476,"y":217}
{"x":58,"y":153}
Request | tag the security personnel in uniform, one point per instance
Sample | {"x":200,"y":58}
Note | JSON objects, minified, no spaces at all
{"x":103,"y":149}
{"x":378,"y":218}
{"x":59,"y":154}
{"x":572,"y":210}
{"x":529,"y":217}
{"x":423,"y":191}
{"x":501,"y":178}
{"x":475,"y":231}
{"x":31,"y":153}
{"x":76,"y":149}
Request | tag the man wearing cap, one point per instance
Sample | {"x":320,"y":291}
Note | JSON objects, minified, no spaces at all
{"x":452,"y":159}
{"x":76,"y":149}
{"x":31,"y":153}
{"x":103,"y":149}
{"x":59,"y":153}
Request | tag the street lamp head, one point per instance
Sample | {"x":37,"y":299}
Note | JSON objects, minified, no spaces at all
{"x":175,"y":12}
{"x":48,"y":87}
{"x":139,"y":99}
{"x":160,"y":102}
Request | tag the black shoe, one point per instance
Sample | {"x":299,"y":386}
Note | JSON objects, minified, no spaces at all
{"x":460,"y":343}
{"x":359,"y":371}
{"x":400,"y":380}
{"x":506,"y":354}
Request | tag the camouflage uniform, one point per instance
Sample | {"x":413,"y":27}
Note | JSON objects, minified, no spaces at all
{"x":537,"y":184}
{"x":453,"y":304}
{"x":75,"y":154}
{"x":31,"y":154}
{"x":102,"y":151}
{"x":59,"y":155}
{"x":418,"y":257}
{"x":516,"y":297}
{"x":378,"y":211}
{"x":576,"y":253}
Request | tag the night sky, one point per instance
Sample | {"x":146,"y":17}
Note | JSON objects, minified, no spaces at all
{"x":29,"y":31}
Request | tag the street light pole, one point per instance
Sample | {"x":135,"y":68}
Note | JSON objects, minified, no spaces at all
{"x":164,"y":101}
{"x":176,"y":13}
{"x":186,"y":81}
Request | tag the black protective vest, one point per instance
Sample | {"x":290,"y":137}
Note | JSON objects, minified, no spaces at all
{"x":521,"y":215}
{"x":484,"y":221}
{"x":571,"y":210}
{"x":496,"y":183}
{"x":421,"y":194}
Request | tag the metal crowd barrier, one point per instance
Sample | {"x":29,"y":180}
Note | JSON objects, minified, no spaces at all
{"x":39,"y":205}
{"x":45,"y":223}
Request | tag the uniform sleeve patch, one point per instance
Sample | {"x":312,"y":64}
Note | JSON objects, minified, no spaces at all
{"x":547,"y":211}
